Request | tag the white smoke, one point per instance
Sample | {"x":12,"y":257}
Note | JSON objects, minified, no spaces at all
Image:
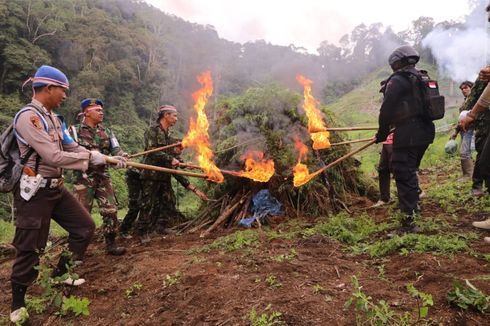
{"x":461,"y":52}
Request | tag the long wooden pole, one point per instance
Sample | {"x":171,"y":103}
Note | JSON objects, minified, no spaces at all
{"x":157,"y":168}
{"x":351,"y":128}
{"x":193,"y":166}
{"x":340,"y":159}
{"x":352,"y":141}
{"x":153,"y":150}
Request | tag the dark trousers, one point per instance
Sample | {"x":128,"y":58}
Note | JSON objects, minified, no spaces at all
{"x":384,"y":171}
{"x":33,"y":218}
{"x":481,"y":171}
{"x":484,"y":162}
{"x":405,"y":162}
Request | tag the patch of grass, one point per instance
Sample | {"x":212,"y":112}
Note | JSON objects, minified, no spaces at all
{"x":347,"y":229}
{"x":76,"y":305}
{"x":231,"y":242}
{"x":267,"y":318}
{"x":369,"y":313}
{"x":285,"y":257}
{"x":272,"y":281}
{"x":468,"y":296}
{"x":134,"y":290}
{"x":171,"y":280}
{"x":437,"y":244}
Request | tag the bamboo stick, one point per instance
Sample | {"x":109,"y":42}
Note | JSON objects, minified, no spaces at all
{"x":224,"y":215}
{"x":343,"y":158}
{"x":362,"y":140}
{"x":158,"y":149}
{"x":340,"y":159}
{"x":351,"y":128}
{"x":193,"y":166}
{"x":345,"y":129}
{"x":142,"y":166}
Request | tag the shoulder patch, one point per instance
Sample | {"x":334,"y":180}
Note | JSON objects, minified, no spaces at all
{"x":36,"y":122}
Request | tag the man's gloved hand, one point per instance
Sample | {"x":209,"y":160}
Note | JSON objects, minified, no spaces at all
{"x":97,"y":158}
{"x":379,"y":138}
{"x":125,"y":155}
{"x":121,"y":162}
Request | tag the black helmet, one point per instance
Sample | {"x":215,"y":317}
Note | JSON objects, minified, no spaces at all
{"x":406,"y":54}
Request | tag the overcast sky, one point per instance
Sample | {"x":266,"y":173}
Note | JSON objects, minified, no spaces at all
{"x":306,"y":22}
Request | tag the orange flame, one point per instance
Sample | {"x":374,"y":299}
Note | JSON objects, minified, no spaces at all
{"x":300,"y":170}
{"x":197,"y":136}
{"x":316,"y":126}
{"x":256,"y":167}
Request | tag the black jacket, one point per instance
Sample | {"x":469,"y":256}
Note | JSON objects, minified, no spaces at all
{"x":404,"y":111}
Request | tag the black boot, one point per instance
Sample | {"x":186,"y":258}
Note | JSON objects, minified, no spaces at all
{"x":18,"y":296}
{"x":111,"y":247}
{"x":408,"y":225}
{"x":63,"y":264}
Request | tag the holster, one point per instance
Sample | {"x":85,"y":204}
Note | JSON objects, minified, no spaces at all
{"x":29,"y":186}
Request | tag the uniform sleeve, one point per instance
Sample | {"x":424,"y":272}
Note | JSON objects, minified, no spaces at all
{"x":475,"y":93}
{"x":484,"y":99}
{"x":182,"y":180}
{"x":48,"y":146}
{"x":394,"y":90}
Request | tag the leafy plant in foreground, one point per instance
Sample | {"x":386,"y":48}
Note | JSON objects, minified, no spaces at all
{"x":468,"y":297}
{"x":265,"y":319}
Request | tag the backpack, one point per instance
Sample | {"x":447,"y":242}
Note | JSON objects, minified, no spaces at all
{"x":426,"y":90}
{"x":11,"y":164}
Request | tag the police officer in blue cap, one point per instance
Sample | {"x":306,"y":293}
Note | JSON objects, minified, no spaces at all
{"x":41,"y":196}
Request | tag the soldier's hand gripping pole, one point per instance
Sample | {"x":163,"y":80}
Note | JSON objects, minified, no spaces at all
{"x":153,"y":150}
{"x":142,"y":166}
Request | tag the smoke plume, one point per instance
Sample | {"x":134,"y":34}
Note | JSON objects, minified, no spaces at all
{"x":461,"y":51}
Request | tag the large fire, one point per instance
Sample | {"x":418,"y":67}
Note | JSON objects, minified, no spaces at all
{"x":256,"y":167}
{"x":197,"y":136}
{"x":316,"y":126}
{"x":300,"y":170}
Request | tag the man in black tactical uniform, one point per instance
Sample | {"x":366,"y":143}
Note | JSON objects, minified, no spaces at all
{"x":403,"y":109}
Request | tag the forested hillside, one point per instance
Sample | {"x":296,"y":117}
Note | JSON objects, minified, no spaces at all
{"x":136,"y":57}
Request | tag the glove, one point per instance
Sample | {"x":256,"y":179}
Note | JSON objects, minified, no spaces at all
{"x":121,"y":162}
{"x":379,"y":138}
{"x":125,"y":155}
{"x":97,"y":158}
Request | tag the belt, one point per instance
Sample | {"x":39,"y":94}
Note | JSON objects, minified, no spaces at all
{"x":51,"y":183}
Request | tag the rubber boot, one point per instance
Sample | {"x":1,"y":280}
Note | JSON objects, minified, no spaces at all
{"x":467,"y":168}
{"x":111,"y":247}
{"x":18,"y":308}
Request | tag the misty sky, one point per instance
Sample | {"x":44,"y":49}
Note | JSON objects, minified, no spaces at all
{"x":306,"y":22}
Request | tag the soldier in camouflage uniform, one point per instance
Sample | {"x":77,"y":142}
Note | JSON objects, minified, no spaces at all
{"x":134,"y":192}
{"x":157,"y":197}
{"x":96,"y":182}
{"x":481,"y":126}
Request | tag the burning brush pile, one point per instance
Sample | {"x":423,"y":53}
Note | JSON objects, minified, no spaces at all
{"x":269,"y":138}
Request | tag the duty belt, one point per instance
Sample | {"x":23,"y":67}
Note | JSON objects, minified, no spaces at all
{"x":52,"y":183}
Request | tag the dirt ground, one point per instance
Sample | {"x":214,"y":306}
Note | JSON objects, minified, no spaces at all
{"x":218,"y":288}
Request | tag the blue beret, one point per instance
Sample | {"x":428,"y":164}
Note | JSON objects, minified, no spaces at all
{"x":90,"y":102}
{"x":47,"y":75}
